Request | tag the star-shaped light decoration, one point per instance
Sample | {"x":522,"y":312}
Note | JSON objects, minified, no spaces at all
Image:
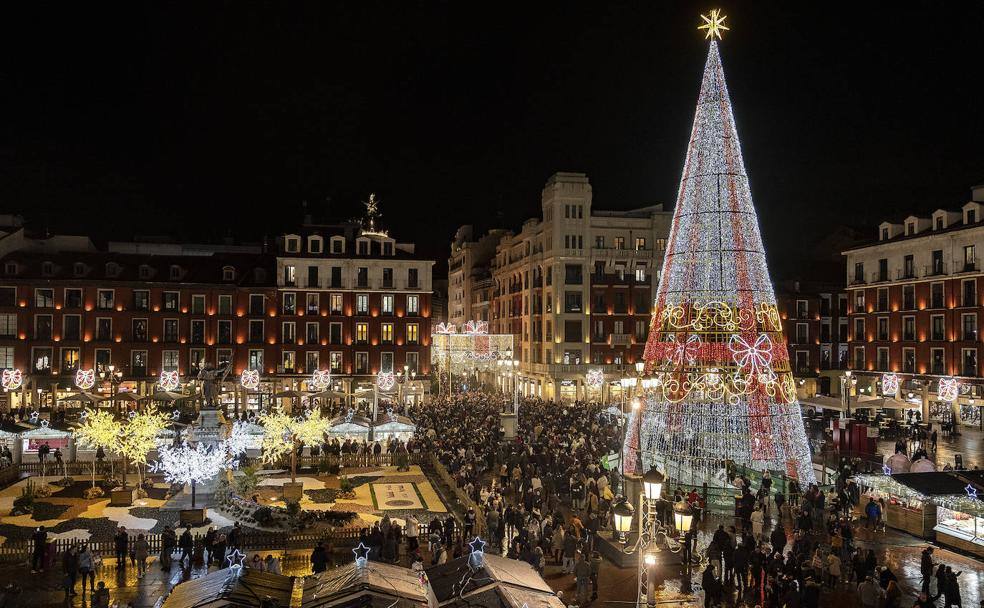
{"x":132,"y":414}
{"x":176,"y":415}
{"x":34,"y":417}
{"x":235,"y":561}
{"x":477,"y":557}
{"x":44,"y":423}
{"x":714,"y":24}
{"x":886,"y":469}
{"x":971,"y":491}
{"x":361,"y":555}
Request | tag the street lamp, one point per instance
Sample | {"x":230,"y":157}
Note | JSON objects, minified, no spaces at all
{"x":848,"y":381}
{"x":115,"y":378}
{"x":683,"y":519}
{"x":652,"y":484}
{"x":622,"y":512}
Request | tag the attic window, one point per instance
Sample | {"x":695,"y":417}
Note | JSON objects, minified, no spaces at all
{"x":387,"y":248}
{"x":10,"y":268}
{"x":315,"y":244}
{"x":78,"y":269}
{"x":145,"y":271}
{"x":175,"y":272}
{"x":910,"y":229}
{"x":971,"y":216}
{"x":228,"y":273}
{"x":884,"y":234}
{"x":362,"y":247}
{"x":338,"y":245}
{"x":939,"y":223}
{"x":112,"y":269}
{"x":47,"y":269}
{"x":292,"y":244}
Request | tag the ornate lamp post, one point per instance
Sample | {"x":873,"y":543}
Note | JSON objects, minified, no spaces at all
{"x":683,"y":519}
{"x":848,"y":381}
{"x":622,"y":512}
{"x":115,"y":377}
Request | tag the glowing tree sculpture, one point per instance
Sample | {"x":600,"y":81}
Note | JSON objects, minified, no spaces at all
{"x":184,"y":464}
{"x":283,"y":435}
{"x":139,"y":436}
{"x":724,"y":391}
{"x":98,"y":429}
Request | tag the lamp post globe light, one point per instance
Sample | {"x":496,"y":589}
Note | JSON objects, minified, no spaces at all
{"x":652,"y":484}
{"x":848,"y":381}
{"x":622,"y":513}
{"x":683,"y":519}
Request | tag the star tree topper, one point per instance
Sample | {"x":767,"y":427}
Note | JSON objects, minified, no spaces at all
{"x":714,"y":24}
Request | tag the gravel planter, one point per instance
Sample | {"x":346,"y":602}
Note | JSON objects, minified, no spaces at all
{"x":46,"y":510}
{"x":323,"y":496}
{"x":100,"y":528}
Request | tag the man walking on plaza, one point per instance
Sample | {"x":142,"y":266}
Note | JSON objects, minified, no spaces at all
{"x":582,"y":577}
{"x":40,"y":538}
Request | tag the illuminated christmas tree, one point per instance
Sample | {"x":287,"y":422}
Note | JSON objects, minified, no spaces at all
{"x":724,"y":392}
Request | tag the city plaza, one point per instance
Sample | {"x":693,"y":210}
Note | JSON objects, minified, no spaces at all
{"x":626,"y":426}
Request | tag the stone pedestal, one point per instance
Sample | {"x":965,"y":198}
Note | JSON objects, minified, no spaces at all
{"x":122,"y":497}
{"x":193,"y":517}
{"x":293,"y":491}
{"x":508,"y":423}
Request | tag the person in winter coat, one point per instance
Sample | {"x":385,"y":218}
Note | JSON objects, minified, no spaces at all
{"x":169,"y":540}
{"x":186,"y":543}
{"x":833,"y":569}
{"x":413,"y":531}
{"x":141,"y":550}
{"x":121,"y":544}
{"x":570,"y":551}
{"x":778,"y":540}
{"x":70,"y":566}
{"x":86,"y":568}
{"x":100,"y":597}
{"x":319,"y":558}
{"x":758,"y":521}
{"x":711,"y":587}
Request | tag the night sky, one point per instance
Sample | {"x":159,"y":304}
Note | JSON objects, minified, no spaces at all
{"x":220,"y":119}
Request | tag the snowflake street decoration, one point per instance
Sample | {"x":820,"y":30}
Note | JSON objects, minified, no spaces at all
{"x":320,"y":379}
{"x":948,"y":390}
{"x":594,"y":378}
{"x":169,"y":380}
{"x":971,"y":491}
{"x":12,"y":379}
{"x":890,"y":384}
{"x":385,"y":381}
{"x":716,"y":344}
{"x":361,"y":555}
{"x":235,"y":561}
{"x":250,"y":379}
{"x":445,"y":329}
{"x":475,"y":328}
{"x":85,"y":379}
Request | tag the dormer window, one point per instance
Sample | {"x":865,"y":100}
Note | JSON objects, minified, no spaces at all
{"x":971,"y":216}
{"x":939,"y":223}
{"x":112,"y":270}
{"x":145,"y":271}
{"x":228,"y":273}
{"x":292,"y":244}
{"x":387,"y":248}
{"x":362,"y":247}
{"x":47,"y":269}
{"x":910,"y":229}
{"x":315,"y":244}
{"x":10,"y":268}
{"x":78,"y":269}
{"x":337,"y":244}
{"x":884,"y":234}
{"x":175,"y":273}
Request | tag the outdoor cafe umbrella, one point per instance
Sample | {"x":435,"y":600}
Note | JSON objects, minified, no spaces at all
{"x":165,"y":396}
{"x":84,"y":397}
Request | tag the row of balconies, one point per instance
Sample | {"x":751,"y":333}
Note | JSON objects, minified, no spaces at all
{"x":931,"y":270}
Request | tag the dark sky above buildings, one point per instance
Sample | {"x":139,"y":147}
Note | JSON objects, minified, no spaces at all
{"x":206,"y":119}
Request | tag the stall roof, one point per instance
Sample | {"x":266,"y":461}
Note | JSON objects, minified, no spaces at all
{"x":511,"y":580}
{"x":43,"y":432}
{"x":356,"y":420}
{"x":376,"y":584}
{"x":942,"y":483}
{"x":223,"y":589}
{"x":396,"y":421}
{"x":887,"y":403}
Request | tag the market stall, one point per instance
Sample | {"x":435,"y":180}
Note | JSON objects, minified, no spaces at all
{"x":904,"y":509}
{"x":350,"y":426}
{"x":388,"y":426}
{"x":33,"y":439}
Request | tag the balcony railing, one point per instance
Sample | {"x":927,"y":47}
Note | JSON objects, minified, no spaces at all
{"x":620,"y":339}
{"x":969,"y":265}
{"x":935,"y":270}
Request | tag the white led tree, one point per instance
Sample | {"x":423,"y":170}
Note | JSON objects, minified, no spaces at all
{"x":724,"y":390}
{"x":184,"y":464}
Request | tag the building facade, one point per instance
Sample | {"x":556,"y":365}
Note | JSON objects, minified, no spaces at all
{"x":575,"y":288}
{"x":470,"y":275}
{"x":336,"y":298}
{"x":353,"y":301}
{"x":915,"y":304}
{"x":815,"y":323}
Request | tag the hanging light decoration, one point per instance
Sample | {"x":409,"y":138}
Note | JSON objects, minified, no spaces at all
{"x":250,"y":379}
{"x":85,"y":379}
{"x":169,"y":380}
{"x":11,"y":379}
